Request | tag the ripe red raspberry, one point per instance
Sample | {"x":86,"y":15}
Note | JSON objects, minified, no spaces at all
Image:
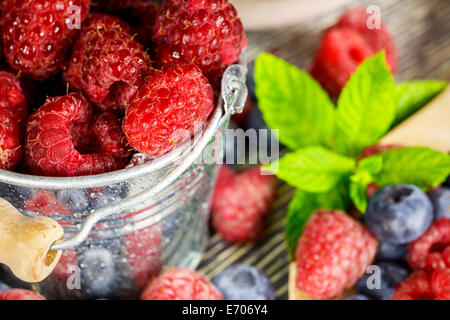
{"x":205,"y":32}
{"x":144,"y":249}
{"x":432,"y":250}
{"x":58,"y":128}
{"x":339,"y":54}
{"x":13,"y":113}
{"x":20,"y":294}
{"x":181,"y":284}
{"x":241,"y":203}
{"x":422,"y":285}
{"x":107,"y":63}
{"x":378,"y":38}
{"x":167,"y":109}
{"x":37,"y":34}
{"x":333,"y":252}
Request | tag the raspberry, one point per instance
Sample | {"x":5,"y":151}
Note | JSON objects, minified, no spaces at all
{"x":205,"y":32}
{"x":422,"y":285}
{"x":13,"y":113}
{"x":107,"y":63}
{"x":58,"y":128}
{"x":339,"y":54}
{"x":432,"y":250}
{"x":181,"y":284}
{"x":20,"y":294}
{"x":378,"y":38}
{"x":241,"y":203}
{"x":375,"y":149}
{"x":333,"y":252}
{"x":37,"y":34}
{"x":167,"y":109}
{"x":345,"y":45}
{"x":144,"y":254}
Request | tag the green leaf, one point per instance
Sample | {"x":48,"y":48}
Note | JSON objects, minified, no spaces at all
{"x":423,"y":167}
{"x":293,"y":102}
{"x":366,"y":106}
{"x":373,"y":165}
{"x":303,"y":205}
{"x":367,"y":168}
{"x":313,"y":169}
{"x":358,"y":194}
{"x":413,"y":95}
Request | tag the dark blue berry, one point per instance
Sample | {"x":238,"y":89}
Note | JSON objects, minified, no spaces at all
{"x":441,"y":202}
{"x":98,"y":272}
{"x":392,"y":251}
{"x":356,"y":297}
{"x":243,"y":282}
{"x":380,"y":283}
{"x":399,"y":213}
{"x":4,"y":287}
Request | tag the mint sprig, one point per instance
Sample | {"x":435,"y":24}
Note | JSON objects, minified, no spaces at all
{"x":327,"y":141}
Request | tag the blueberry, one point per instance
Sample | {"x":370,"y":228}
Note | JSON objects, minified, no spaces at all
{"x":357,"y":297}
{"x":243,"y":282}
{"x":399,"y":213}
{"x":392,"y":251}
{"x":267,"y":141}
{"x":441,"y":202}
{"x":390,"y":274}
{"x":251,"y":80}
{"x":98,"y":272}
{"x":4,"y":287}
{"x":447,"y":182}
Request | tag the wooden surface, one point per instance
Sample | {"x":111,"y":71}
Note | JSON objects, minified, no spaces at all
{"x":421,"y":31}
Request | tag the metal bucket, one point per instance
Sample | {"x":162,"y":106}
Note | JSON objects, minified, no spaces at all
{"x":123,"y":228}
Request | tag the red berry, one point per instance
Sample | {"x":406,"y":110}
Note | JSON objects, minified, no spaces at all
{"x":20,"y":294}
{"x":205,"y":32}
{"x":432,"y":250}
{"x":167,"y":109}
{"x":333,"y":252}
{"x":375,"y":149}
{"x":181,"y":284}
{"x":241,"y":203}
{"x":107,"y":63}
{"x":339,"y":54}
{"x":422,"y":285}
{"x":59,"y":127}
{"x":13,"y":113}
{"x":37,"y":34}
{"x":378,"y":38}
{"x":144,"y":254}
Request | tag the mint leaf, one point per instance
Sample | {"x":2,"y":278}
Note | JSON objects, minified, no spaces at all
{"x":367,"y":168}
{"x":358,"y":194}
{"x":313,"y":169}
{"x":413,"y":95}
{"x":303,"y":205}
{"x":423,"y":167}
{"x":293,"y":102}
{"x":366,"y":106}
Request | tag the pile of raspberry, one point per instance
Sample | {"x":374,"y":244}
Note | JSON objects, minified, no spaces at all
{"x":80,"y":93}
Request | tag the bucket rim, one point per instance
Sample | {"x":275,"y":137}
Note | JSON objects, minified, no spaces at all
{"x":118,"y":176}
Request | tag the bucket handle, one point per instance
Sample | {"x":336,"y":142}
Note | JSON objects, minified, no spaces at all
{"x":234,"y":96}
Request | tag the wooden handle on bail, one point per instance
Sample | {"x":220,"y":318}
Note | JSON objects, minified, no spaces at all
{"x":25,"y":243}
